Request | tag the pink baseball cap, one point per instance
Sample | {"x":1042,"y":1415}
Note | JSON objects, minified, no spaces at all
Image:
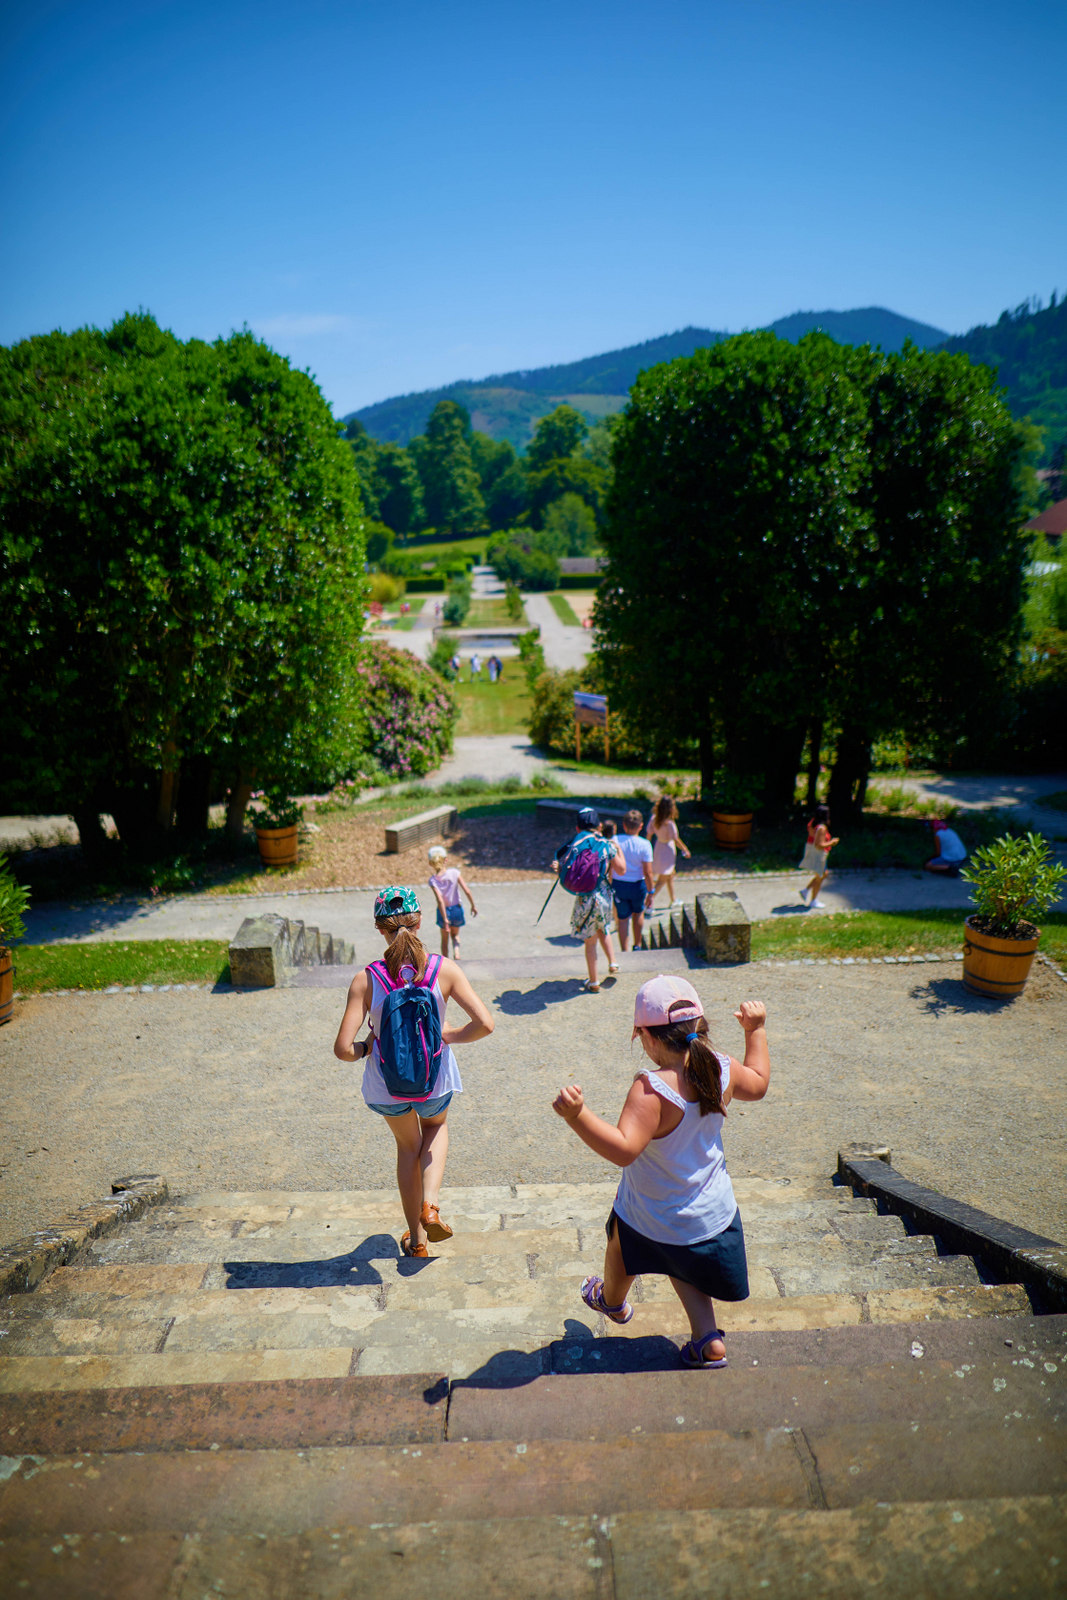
{"x":652,"y":1007}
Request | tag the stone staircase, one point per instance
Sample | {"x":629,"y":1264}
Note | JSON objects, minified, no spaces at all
{"x":254,"y":1395}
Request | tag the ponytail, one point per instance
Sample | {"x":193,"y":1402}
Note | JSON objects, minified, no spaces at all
{"x":405,"y":948}
{"x":702,"y":1068}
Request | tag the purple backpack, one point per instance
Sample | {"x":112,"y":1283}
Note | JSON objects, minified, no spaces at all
{"x":581,"y":866}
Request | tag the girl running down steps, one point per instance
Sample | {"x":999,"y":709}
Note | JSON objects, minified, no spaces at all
{"x":418,"y":1124}
{"x":675,"y":1211}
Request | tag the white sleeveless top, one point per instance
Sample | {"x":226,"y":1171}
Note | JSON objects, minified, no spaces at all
{"x":678,"y":1191}
{"x":374,"y":1091}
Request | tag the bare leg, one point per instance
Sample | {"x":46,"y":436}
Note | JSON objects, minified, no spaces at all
{"x":670,"y":885}
{"x":444,"y":941}
{"x":816,"y":884}
{"x":660,"y":881}
{"x":700,"y":1310}
{"x":639,"y":927}
{"x":590,"y":958}
{"x":432,"y":1155}
{"x":407,"y":1132}
{"x":622,"y":928}
{"x":617,"y":1281}
{"x":604,"y":940}
{"x":455,"y":944}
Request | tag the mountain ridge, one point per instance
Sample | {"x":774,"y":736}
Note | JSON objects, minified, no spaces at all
{"x":508,"y":405}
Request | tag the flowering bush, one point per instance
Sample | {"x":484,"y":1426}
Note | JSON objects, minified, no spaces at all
{"x":410,"y":711}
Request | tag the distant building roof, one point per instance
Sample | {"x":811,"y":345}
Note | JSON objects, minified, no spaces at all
{"x":1053,"y":521}
{"x":583,"y":566}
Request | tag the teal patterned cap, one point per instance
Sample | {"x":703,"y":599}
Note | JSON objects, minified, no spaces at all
{"x":395,"y":902}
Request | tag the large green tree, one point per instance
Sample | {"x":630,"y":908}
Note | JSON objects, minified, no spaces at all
{"x":181,"y":575}
{"x":450,"y":486}
{"x":805,"y":536}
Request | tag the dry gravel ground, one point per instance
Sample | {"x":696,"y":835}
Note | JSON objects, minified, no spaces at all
{"x":242,"y":1091}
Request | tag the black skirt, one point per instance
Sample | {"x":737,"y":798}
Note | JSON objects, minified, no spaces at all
{"x":717,"y":1267}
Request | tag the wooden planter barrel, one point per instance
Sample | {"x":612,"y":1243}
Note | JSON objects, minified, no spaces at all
{"x":278,"y":847}
{"x":733,"y":829}
{"x":996,"y":967}
{"x":7,"y":985}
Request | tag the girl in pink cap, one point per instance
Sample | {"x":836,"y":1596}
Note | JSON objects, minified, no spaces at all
{"x":675,"y":1211}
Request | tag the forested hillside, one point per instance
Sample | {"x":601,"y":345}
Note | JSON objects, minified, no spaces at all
{"x":508,"y":405}
{"x":1028,"y":349}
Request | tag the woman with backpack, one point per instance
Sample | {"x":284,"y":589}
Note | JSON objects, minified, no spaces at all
{"x":410,"y":1073}
{"x":584,"y":866}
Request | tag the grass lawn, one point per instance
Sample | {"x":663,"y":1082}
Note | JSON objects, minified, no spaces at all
{"x":42,"y":967}
{"x":446,"y":547}
{"x":401,"y":623}
{"x":500,"y":707}
{"x":564,"y":610}
{"x":491,"y":612}
{"x":882,"y":933}
{"x":126,"y":961}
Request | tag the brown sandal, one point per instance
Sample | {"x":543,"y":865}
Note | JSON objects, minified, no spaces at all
{"x":409,"y":1249}
{"x":436,"y":1230}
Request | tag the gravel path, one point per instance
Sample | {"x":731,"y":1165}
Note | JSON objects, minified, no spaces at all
{"x":242,"y":1091}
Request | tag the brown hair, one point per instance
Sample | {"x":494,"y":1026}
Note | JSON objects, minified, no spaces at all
{"x":607,"y":829}
{"x":632,"y":821}
{"x":665,"y":809}
{"x":702,"y":1067}
{"x":405,"y":948}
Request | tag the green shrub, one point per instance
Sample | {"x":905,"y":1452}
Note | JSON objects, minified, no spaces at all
{"x":384,"y":589}
{"x":513,"y":601}
{"x":1012,"y":881}
{"x":14,"y":899}
{"x":459,"y":601}
{"x":411,"y":712}
{"x":521,"y":560}
{"x":532,"y":656}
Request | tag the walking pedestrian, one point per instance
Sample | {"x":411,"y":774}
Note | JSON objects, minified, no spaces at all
{"x":495,"y":668}
{"x":590,"y":854}
{"x":476,"y":666}
{"x":663,"y":829}
{"x":675,"y":1212}
{"x":816,"y":853}
{"x":446,"y":883}
{"x":417,"y":1121}
{"x":631,"y":889}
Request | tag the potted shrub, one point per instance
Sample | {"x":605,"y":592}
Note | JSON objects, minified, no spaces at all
{"x":13,"y":901}
{"x":1012,"y":881}
{"x":733,"y":800}
{"x":276,"y":824}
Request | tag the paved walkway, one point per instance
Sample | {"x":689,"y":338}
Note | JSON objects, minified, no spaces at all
{"x":564,"y":645}
{"x":507,"y":927}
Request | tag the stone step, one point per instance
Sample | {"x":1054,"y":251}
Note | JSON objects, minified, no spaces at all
{"x":953,"y":1386}
{"x":986,"y":1551}
{"x":493,"y":1343}
{"x":286,"y":1492}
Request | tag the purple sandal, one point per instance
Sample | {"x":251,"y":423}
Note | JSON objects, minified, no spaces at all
{"x":593,"y":1295}
{"x":693,"y":1355}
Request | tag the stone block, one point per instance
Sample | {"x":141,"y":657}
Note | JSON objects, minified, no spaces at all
{"x":563,"y":814}
{"x":723,"y":929}
{"x":312,"y":947}
{"x":261,"y":952}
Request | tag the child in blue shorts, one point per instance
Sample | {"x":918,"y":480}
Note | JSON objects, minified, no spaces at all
{"x":446,"y":883}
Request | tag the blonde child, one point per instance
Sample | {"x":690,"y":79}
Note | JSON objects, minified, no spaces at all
{"x":675,"y":1211}
{"x":420,"y":1127}
{"x":663,"y":830}
{"x":816,"y":854}
{"x":446,"y":883}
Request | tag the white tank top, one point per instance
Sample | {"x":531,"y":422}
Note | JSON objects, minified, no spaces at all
{"x":678,"y":1191}
{"x":374,"y":1091}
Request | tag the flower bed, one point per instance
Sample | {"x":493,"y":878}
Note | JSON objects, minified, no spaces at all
{"x":411,"y":712}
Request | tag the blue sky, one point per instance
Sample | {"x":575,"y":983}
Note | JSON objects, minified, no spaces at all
{"x":403,"y":193}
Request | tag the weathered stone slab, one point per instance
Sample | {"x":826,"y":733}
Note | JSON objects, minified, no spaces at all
{"x":723,"y":929}
{"x":261,"y":952}
{"x":563,"y":814}
{"x":27,"y":1261}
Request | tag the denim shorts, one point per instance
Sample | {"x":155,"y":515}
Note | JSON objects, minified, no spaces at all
{"x":425,"y":1108}
{"x":456,"y":917}
{"x":629,"y":897}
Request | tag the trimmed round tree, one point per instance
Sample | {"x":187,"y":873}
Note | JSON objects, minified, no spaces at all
{"x":182,"y":576}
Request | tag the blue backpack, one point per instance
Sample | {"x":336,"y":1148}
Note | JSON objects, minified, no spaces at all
{"x":409,"y":1033}
{"x":581,"y":865}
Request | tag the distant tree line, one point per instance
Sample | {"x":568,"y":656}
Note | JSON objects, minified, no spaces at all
{"x":541,"y":505}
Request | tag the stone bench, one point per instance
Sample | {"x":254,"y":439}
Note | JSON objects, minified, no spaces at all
{"x":563,"y":814}
{"x":400,"y":836}
{"x":723,"y":929}
{"x":265,"y":951}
